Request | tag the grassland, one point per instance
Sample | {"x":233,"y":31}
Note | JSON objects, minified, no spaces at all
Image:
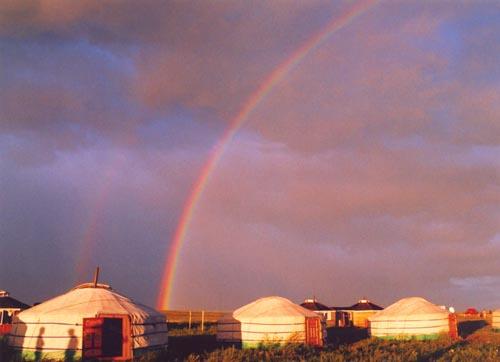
{"x":477,"y":343}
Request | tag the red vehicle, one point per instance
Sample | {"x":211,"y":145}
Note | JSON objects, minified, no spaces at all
{"x":471,"y":311}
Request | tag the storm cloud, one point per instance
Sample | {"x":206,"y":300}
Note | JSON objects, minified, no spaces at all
{"x":371,"y":169}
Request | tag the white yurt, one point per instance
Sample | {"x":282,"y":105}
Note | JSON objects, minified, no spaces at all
{"x":271,"y":320}
{"x":412,"y":317}
{"x":90,"y":320}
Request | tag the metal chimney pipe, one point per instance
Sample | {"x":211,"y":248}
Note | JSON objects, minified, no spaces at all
{"x":96,"y":277}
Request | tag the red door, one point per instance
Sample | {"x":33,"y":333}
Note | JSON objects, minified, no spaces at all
{"x":92,"y":337}
{"x":107,"y":337}
{"x":313,"y":331}
{"x":452,"y":319}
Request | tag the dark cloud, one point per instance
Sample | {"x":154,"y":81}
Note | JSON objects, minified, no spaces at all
{"x":372,"y":162}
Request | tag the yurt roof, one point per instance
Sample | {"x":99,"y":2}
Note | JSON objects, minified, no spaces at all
{"x":7,"y":302}
{"x":412,"y":308}
{"x":272,"y":307}
{"x":88,"y":301}
{"x":365,"y":304}
{"x":313,"y":304}
{"x":93,"y":285}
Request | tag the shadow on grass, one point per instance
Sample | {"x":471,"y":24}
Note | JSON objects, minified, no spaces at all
{"x":347,"y":335}
{"x":466,"y":328}
{"x":180,"y":347}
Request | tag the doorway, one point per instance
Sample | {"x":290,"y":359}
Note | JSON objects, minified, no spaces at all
{"x":107,"y":337}
{"x":112,"y":337}
{"x":314,"y":335}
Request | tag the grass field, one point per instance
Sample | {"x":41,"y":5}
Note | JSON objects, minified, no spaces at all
{"x":477,"y":343}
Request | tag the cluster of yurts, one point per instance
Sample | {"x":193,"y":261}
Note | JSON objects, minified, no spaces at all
{"x":94,"y":321}
{"x":277,"y":319}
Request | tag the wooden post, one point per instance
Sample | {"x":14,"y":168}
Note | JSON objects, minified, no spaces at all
{"x":189,"y":320}
{"x":202,"y":320}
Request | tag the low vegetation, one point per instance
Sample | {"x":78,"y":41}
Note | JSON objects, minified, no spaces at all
{"x":366,"y":350}
{"x":477,"y":343}
{"x":5,"y":351}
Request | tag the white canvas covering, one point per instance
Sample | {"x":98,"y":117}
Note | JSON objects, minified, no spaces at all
{"x":270,"y":319}
{"x":57,"y":324}
{"x":410,"y":317}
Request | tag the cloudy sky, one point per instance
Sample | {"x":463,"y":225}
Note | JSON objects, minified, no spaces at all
{"x":372,"y":168}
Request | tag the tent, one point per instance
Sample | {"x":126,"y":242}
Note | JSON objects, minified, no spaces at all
{"x":90,"y":320}
{"x":271,"y":320}
{"x":8,"y":308}
{"x":412,"y":317}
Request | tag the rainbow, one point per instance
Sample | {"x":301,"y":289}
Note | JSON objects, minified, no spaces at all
{"x":89,"y":238}
{"x":88,"y":243}
{"x":253,"y":101}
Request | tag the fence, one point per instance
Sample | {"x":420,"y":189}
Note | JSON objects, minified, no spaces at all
{"x":192,"y":318}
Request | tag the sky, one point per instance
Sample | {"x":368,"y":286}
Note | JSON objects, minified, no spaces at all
{"x":370,"y":169}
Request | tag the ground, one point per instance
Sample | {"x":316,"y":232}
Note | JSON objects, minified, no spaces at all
{"x":477,"y":342}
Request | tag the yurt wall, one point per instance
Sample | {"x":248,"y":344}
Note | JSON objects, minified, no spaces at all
{"x":90,"y":322}
{"x":271,"y":320}
{"x":412,"y":317}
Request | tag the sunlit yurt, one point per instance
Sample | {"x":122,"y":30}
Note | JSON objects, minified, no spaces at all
{"x":90,"y":320}
{"x":412,"y":317}
{"x":271,"y":320}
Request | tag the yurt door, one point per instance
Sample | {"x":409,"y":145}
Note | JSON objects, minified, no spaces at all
{"x":92,"y":337}
{"x":107,"y":337}
{"x":313,"y":331}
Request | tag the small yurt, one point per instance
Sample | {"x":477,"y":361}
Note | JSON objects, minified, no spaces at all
{"x":271,"y":320}
{"x":89,"y":321}
{"x":313,"y":305}
{"x":361,"y":311}
{"x":412,"y":317}
{"x":9,"y":307}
